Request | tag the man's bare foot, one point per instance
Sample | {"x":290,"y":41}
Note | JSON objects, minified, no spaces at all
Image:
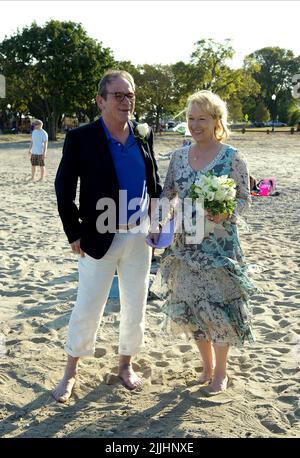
{"x":63,"y":390}
{"x":130,"y":379}
{"x":218,"y":385}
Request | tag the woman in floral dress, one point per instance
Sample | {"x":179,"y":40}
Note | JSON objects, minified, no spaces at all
{"x":205,"y":286}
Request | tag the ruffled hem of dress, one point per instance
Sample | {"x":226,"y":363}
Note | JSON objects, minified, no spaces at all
{"x":237,"y":271}
{"x":176,"y":323}
{"x":236,"y":307}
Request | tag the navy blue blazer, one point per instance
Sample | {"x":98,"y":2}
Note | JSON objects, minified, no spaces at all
{"x":86,"y":156}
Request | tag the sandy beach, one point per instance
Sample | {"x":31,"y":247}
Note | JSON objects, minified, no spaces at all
{"x":38,"y":280}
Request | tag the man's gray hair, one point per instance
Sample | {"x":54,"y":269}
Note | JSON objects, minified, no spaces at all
{"x":109,"y":77}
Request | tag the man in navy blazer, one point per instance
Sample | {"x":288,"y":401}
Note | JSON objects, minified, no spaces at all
{"x":114,"y":161}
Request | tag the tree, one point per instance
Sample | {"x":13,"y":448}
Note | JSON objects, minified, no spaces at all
{"x":274,"y":72}
{"x":211,"y":72}
{"x":53,"y":70}
{"x":209,"y":60}
{"x":184,"y":84}
{"x":244,"y":90}
{"x":155,"y":91}
{"x":261,"y":113}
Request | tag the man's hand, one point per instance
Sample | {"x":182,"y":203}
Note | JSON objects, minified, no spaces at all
{"x":75,"y":247}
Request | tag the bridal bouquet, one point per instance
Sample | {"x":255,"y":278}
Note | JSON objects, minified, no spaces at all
{"x":218,"y":194}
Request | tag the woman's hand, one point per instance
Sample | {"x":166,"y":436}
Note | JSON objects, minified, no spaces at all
{"x":218,"y":219}
{"x":154,"y":236}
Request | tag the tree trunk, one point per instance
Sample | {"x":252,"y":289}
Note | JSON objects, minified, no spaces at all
{"x":157,"y":123}
{"x":52,"y":127}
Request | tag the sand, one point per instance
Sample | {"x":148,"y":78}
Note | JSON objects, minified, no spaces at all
{"x":38,"y":280}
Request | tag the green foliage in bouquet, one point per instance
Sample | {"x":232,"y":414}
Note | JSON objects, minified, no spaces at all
{"x":217,"y":193}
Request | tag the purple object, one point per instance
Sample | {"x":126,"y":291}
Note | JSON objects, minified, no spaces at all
{"x":165,"y":237}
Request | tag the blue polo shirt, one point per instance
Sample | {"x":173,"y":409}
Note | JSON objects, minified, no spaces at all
{"x":131,"y":173}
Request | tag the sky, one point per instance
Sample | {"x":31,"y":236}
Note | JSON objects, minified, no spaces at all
{"x":164,"y":32}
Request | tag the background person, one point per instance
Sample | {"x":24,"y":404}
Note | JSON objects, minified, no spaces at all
{"x":38,"y":149}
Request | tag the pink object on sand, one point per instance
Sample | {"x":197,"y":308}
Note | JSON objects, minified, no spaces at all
{"x":264,"y":189}
{"x":271,"y":182}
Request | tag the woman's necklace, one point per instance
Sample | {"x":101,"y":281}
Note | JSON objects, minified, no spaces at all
{"x":195,"y":157}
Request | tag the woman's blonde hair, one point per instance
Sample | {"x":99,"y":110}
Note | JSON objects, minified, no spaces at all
{"x":213,"y":105}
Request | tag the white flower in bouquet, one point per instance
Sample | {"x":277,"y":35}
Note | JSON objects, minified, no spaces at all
{"x":231,"y":193}
{"x":210,"y":196}
{"x":218,"y":194}
{"x":223,"y":179}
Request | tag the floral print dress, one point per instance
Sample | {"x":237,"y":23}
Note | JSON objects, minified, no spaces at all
{"x":205,"y":287}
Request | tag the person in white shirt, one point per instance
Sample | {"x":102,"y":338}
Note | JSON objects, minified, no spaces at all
{"x":38,"y":149}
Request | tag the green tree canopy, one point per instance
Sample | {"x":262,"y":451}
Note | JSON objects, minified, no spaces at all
{"x":53,"y":69}
{"x":211,"y":72}
{"x":155,"y":91}
{"x":275,"y":68}
{"x":261,"y":113}
{"x":209,"y":65}
{"x":184,"y":84}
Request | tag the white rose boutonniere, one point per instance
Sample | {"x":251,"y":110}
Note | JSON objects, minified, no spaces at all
{"x":141,"y":131}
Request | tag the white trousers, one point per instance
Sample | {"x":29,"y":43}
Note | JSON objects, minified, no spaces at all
{"x":130,"y":256}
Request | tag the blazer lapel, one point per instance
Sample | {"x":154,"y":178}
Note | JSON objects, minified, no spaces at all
{"x":102,"y":152}
{"x":145,"y":149}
